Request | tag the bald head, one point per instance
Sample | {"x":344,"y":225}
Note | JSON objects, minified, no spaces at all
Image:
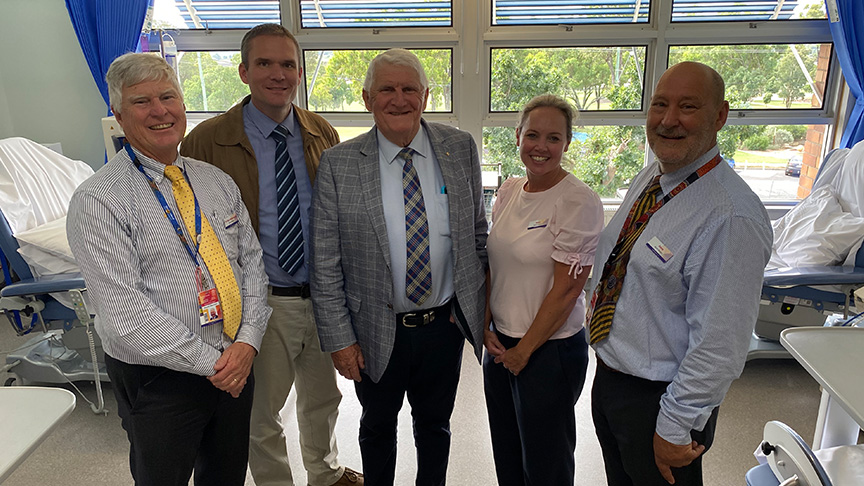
{"x":711,"y":79}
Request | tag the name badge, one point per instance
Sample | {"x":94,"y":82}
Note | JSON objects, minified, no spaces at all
{"x":211,"y":308}
{"x":231,"y":221}
{"x":659,"y":249}
{"x":540,"y":223}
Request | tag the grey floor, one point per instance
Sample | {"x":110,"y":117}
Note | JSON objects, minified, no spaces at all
{"x":92,"y":450}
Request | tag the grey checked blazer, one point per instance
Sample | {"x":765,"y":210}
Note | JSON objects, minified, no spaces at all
{"x":351,"y":275}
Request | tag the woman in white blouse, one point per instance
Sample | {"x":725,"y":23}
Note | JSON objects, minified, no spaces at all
{"x":541,"y":248}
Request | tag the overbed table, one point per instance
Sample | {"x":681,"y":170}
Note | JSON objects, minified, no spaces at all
{"x":29,"y":415}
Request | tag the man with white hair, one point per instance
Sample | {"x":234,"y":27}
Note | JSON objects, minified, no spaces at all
{"x":399,"y":261}
{"x":173,"y":266}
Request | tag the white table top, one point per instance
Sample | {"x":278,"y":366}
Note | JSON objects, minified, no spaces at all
{"x":29,"y":414}
{"x":834,"y":356}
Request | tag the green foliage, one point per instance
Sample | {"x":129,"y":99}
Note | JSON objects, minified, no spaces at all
{"x":758,"y":142}
{"x":609,"y":157}
{"x":798,"y":132}
{"x":221,"y":81}
{"x":779,"y":137}
{"x":335,"y":78}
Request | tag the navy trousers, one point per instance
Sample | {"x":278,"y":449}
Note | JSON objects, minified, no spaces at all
{"x":625,"y":411}
{"x":177,"y":422}
{"x":425,"y":365}
{"x":531,"y":416}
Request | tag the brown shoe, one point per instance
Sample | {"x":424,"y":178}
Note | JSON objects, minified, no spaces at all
{"x":350,"y":477}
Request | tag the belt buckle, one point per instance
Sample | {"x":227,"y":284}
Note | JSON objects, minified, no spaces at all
{"x":427,"y":318}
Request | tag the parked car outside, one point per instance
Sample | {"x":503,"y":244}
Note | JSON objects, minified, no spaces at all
{"x":793,"y":167}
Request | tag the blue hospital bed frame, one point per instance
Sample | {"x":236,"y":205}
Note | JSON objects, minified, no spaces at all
{"x":26,"y":302}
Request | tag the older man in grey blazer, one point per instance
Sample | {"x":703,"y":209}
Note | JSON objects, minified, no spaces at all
{"x":399,"y":258}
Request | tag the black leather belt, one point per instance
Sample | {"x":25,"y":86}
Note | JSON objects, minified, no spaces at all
{"x":422,"y":317}
{"x":605,"y":366}
{"x":299,"y":291}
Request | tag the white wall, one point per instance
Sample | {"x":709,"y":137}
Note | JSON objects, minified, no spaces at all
{"x":47,"y":93}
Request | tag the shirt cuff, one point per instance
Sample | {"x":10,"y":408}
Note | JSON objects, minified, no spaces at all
{"x":205,"y":364}
{"x":672,"y":430}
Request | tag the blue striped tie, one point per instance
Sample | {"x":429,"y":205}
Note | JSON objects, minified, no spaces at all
{"x":418,"y":272}
{"x":288,"y":206}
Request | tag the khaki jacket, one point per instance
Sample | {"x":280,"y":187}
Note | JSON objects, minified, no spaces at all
{"x":222,"y":141}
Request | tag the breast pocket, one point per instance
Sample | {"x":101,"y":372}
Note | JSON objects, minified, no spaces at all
{"x":442,"y":209}
{"x":227,"y":228}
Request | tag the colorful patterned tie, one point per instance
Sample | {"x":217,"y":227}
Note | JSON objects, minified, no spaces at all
{"x":609,"y":288}
{"x":211,"y":251}
{"x":418,"y":274}
{"x":288,"y":206}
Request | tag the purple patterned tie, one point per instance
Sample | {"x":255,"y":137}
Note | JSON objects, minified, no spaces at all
{"x":418,"y":274}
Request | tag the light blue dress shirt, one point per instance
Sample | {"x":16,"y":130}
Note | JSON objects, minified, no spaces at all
{"x":437,"y":215}
{"x":688,"y":320}
{"x":258,"y":127}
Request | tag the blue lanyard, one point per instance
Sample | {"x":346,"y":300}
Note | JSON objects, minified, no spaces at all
{"x":170,"y":214}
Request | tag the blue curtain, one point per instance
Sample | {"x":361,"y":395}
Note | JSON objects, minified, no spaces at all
{"x":848,"y":38}
{"x":106,"y":29}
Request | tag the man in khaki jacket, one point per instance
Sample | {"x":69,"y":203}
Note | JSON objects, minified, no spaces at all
{"x":271,"y":148}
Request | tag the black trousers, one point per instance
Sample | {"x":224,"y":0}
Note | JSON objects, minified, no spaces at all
{"x":425,"y":365}
{"x":531,"y":416}
{"x":625,"y":412}
{"x":177,"y":422}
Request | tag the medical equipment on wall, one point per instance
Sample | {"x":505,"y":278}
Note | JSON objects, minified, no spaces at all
{"x":817,"y":261}
{"x":43,"y":294}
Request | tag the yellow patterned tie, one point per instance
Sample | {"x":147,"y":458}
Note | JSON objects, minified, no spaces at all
{"x":211,"y":251}
{"x":605,"y":298}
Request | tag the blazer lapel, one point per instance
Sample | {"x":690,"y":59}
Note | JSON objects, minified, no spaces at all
{"x":370,"y":179}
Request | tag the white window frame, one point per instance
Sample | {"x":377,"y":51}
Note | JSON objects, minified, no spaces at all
{"x":472,"y":37}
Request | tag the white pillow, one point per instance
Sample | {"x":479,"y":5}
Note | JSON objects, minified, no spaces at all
{"x":46,"y":249}
{"x":815,"y":232}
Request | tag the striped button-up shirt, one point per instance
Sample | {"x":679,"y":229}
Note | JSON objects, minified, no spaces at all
{"x":140,"y":276}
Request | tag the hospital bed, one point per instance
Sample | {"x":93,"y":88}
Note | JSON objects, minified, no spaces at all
{"x":827,"y":353}
{"x":817,"y":261}
{"x":43,"y":296}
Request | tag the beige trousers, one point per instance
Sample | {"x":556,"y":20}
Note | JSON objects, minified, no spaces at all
{"x":291,"y":355}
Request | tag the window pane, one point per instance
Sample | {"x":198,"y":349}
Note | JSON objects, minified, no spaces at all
{"x":375,"y":13}
{"x":334,"y":79}
{"x":210,"y":81}
{"x":592,"y":78}
{"x":347,"y":133}
{"x":526,"y":12}
{"x":605,"y":158}
{"x":765,"y":76}
{"x":776,"y":161}
{"x":746,"y":10}
{"x":213,"y":14}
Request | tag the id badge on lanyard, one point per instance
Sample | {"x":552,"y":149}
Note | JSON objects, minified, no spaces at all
{"x":210,"y":307}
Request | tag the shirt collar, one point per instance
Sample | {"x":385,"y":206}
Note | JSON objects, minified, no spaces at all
{"x":672,"y":179}
{"x":390,"y":150}
{"x":156,"y":168}
{"x":264,"y":123}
